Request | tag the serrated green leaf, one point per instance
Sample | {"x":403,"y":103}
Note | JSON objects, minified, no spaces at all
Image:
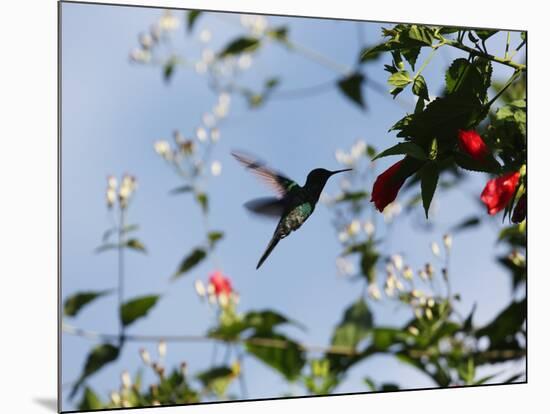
{"x":240,"y":45}
{"x":411,"y":55}
{"x":351,"y":87}
{"x":485,"y":34}
{"x":429,"y":177}
{"x":74,"y":303}
{"x":287,"y":358}
{"x":190,"y":261}
{"x":407,"y":148}
{"x":420,"y":88}
{"x":137,"y":308}
{"x":217,"y":379}
{"x":400,"y":79}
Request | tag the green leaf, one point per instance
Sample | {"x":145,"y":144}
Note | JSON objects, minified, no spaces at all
{"x":466,"y":224}
{"x":240,"y":45}
{"x":214,"y":237}
{"x":182,"y":189}
{"x":271,"y":83}
{"x":485,"y":34}
{"x":429,"y":176}
{"x":411,"y":55}
{"x":466,"y":162}
{"x":284,"y":355}
{"x":100,"y":356}
{"x":469,"y":79}
{"x":350,"y":86}
{"x":507,"y":323}
{"x":420,"y":88}
{"x":422,"y":34}
{"x":90,"y":401}
{"x":279,"y":33}
{"x":354,"y":326}
{"x":407,"y":148}
{"x":264,"y":321}
{"x":202,"y":199}
{"x":137,"y":308}
{"x":217,"y":379}
{"x":370,"y":53}
{"x":383,"y":338}
{"x":192,"y":16}
{"x":169,"y":67}
{"x":193,"y":259}
{"x":74,"y":304}
{"x":400,"y":79}
{"x":125,"y":230}
{"x":135,"y":244}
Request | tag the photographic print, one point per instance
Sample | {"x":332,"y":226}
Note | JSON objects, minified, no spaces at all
{"x":263,"y":207}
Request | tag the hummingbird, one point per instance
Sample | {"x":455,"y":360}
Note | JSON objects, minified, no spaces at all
{"x":293,"y":204}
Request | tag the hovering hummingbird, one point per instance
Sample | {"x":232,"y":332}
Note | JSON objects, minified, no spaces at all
{"x":293,"y":204}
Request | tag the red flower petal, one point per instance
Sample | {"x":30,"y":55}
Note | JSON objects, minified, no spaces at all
{"x":499,"y":191}
{"x":471,"y":143}
{"x":386,"y":187}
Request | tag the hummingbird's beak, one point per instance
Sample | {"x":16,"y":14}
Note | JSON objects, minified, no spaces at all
{"x":339,"y":171}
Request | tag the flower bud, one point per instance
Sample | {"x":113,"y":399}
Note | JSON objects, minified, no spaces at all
{"x":125,"y":380}
{"x":413,"y":330}
{"x":162,"y":348}
{"x":369,"y":228}
{"x":435,"y":249}
{"x":373,"y":291}
{"x":115,"y":398}
{"x":407,"y":273}
{"x":447,"y":241}
{"x":397,"y":261}
{"x":216,"y":168}
{"x":205,"y":35}
{"x":145,"y":357}
{"x":201,"y":133}
{"x":200,"y":289}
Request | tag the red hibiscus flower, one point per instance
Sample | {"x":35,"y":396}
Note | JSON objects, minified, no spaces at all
{"x":222,"y":284}
{"x":499,"y":191}
{"x":472,"y":144}
{"x":520,"y":212}
{"x":386,"y":187}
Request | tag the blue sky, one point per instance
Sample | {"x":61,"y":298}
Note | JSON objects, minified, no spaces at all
{"x":113,"y":111}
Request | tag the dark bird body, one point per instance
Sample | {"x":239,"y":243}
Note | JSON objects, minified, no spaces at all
{"x":294,"y":204}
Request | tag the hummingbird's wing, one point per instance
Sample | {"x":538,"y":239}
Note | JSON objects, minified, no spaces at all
{"x":267,"y":206}
{"x":278,"y":182}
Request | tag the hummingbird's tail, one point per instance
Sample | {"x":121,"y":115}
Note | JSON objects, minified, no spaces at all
{"x":268,"y":250}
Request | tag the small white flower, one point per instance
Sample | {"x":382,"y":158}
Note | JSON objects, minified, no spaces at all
{"x":199,"y":288}
{"x":161,"y":348}
{"x":115,"y":398}
{"x":354,"y":227}
{"x":413,"y":330}
{"x":126,"y":380}
{"x":373,"y":291}
{"x":111,"y":181}
{"x":146,"y":41}
{"x":208,"y":119}
{"x":391,"y":211}
{"x":429,"y":314}
{"x":397,"y":261}
{"x":430,"y":303}
{"x":369,"y":228}
{"x":417,"y":293}
{"x":343,"y":158}
{"x":111,"y":197}
{"x":408,"y":273}
{"x":156,"y":32}
{"x":259,"y":25}
{"x":169,"y":21}
{"x":205,"y":36}
{"x":140,"y":56}
{"x":435,"y":249}
{"x":215,"y":134}
{"x":145,"y":357}
{"x":358,"y":149}
{"x":216,"y":168}
{"x":447,"y":241}
{"x":162,"y":148}
{"x":201,"y":133}
{"x":344,"y":266}
{"x":221,"y":110}
{"x":343,"y":236}
{"x":224,"y":99}
{"x":429,"y":270}
{"x":423,"y":275}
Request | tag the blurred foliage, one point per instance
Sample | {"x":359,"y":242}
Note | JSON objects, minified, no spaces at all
{"x":435,"y":340}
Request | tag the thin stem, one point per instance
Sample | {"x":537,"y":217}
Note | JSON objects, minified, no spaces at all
{"x":510,"y":81}
{"x":507,"y":62}
{"x":319,"y":58}
{"x":242,"y":380}
{"x":507,"y":46}
{"x":121,"y":274}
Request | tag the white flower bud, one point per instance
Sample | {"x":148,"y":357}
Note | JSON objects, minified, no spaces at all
{"x":429,"y":314}
{"x":413,"y":330}
{"x":407,"y":273}
{"x":162,"y":148}
{"x":126,"y":380}
{"x":223,"y":299}
{"x":201,"y":133}
{"x":354,"y":227}
{"x":447,"y":241}
{"x":205,"y":36}
{"x":216,"y":168}
{"x":435,"y":249}
{"x":200,"y":289}
{"x":373,"y":291}
{"x":208,"y":56}
{"x":244,"y":61}
{"x":215,"y":134}
{"x":145,"y":357}
{"x":161,"y":349}
{"x":146,"y":41}
{"x":208,"y":120}
{"x":115,"y":398}
{"x":369,"y":228}
{"x":169,"y":21}
{"x":397,"y":261}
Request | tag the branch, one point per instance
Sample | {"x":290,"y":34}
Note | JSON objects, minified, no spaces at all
{"x":507,"y":62}
{"x":268,"y":342}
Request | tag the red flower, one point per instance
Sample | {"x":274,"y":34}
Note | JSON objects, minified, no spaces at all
{"x":499,"y":191}
{"x":386,"y":187}
{"x":471,"y":143}
{"x":222,"y":284}
{"x":520,"y":212}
